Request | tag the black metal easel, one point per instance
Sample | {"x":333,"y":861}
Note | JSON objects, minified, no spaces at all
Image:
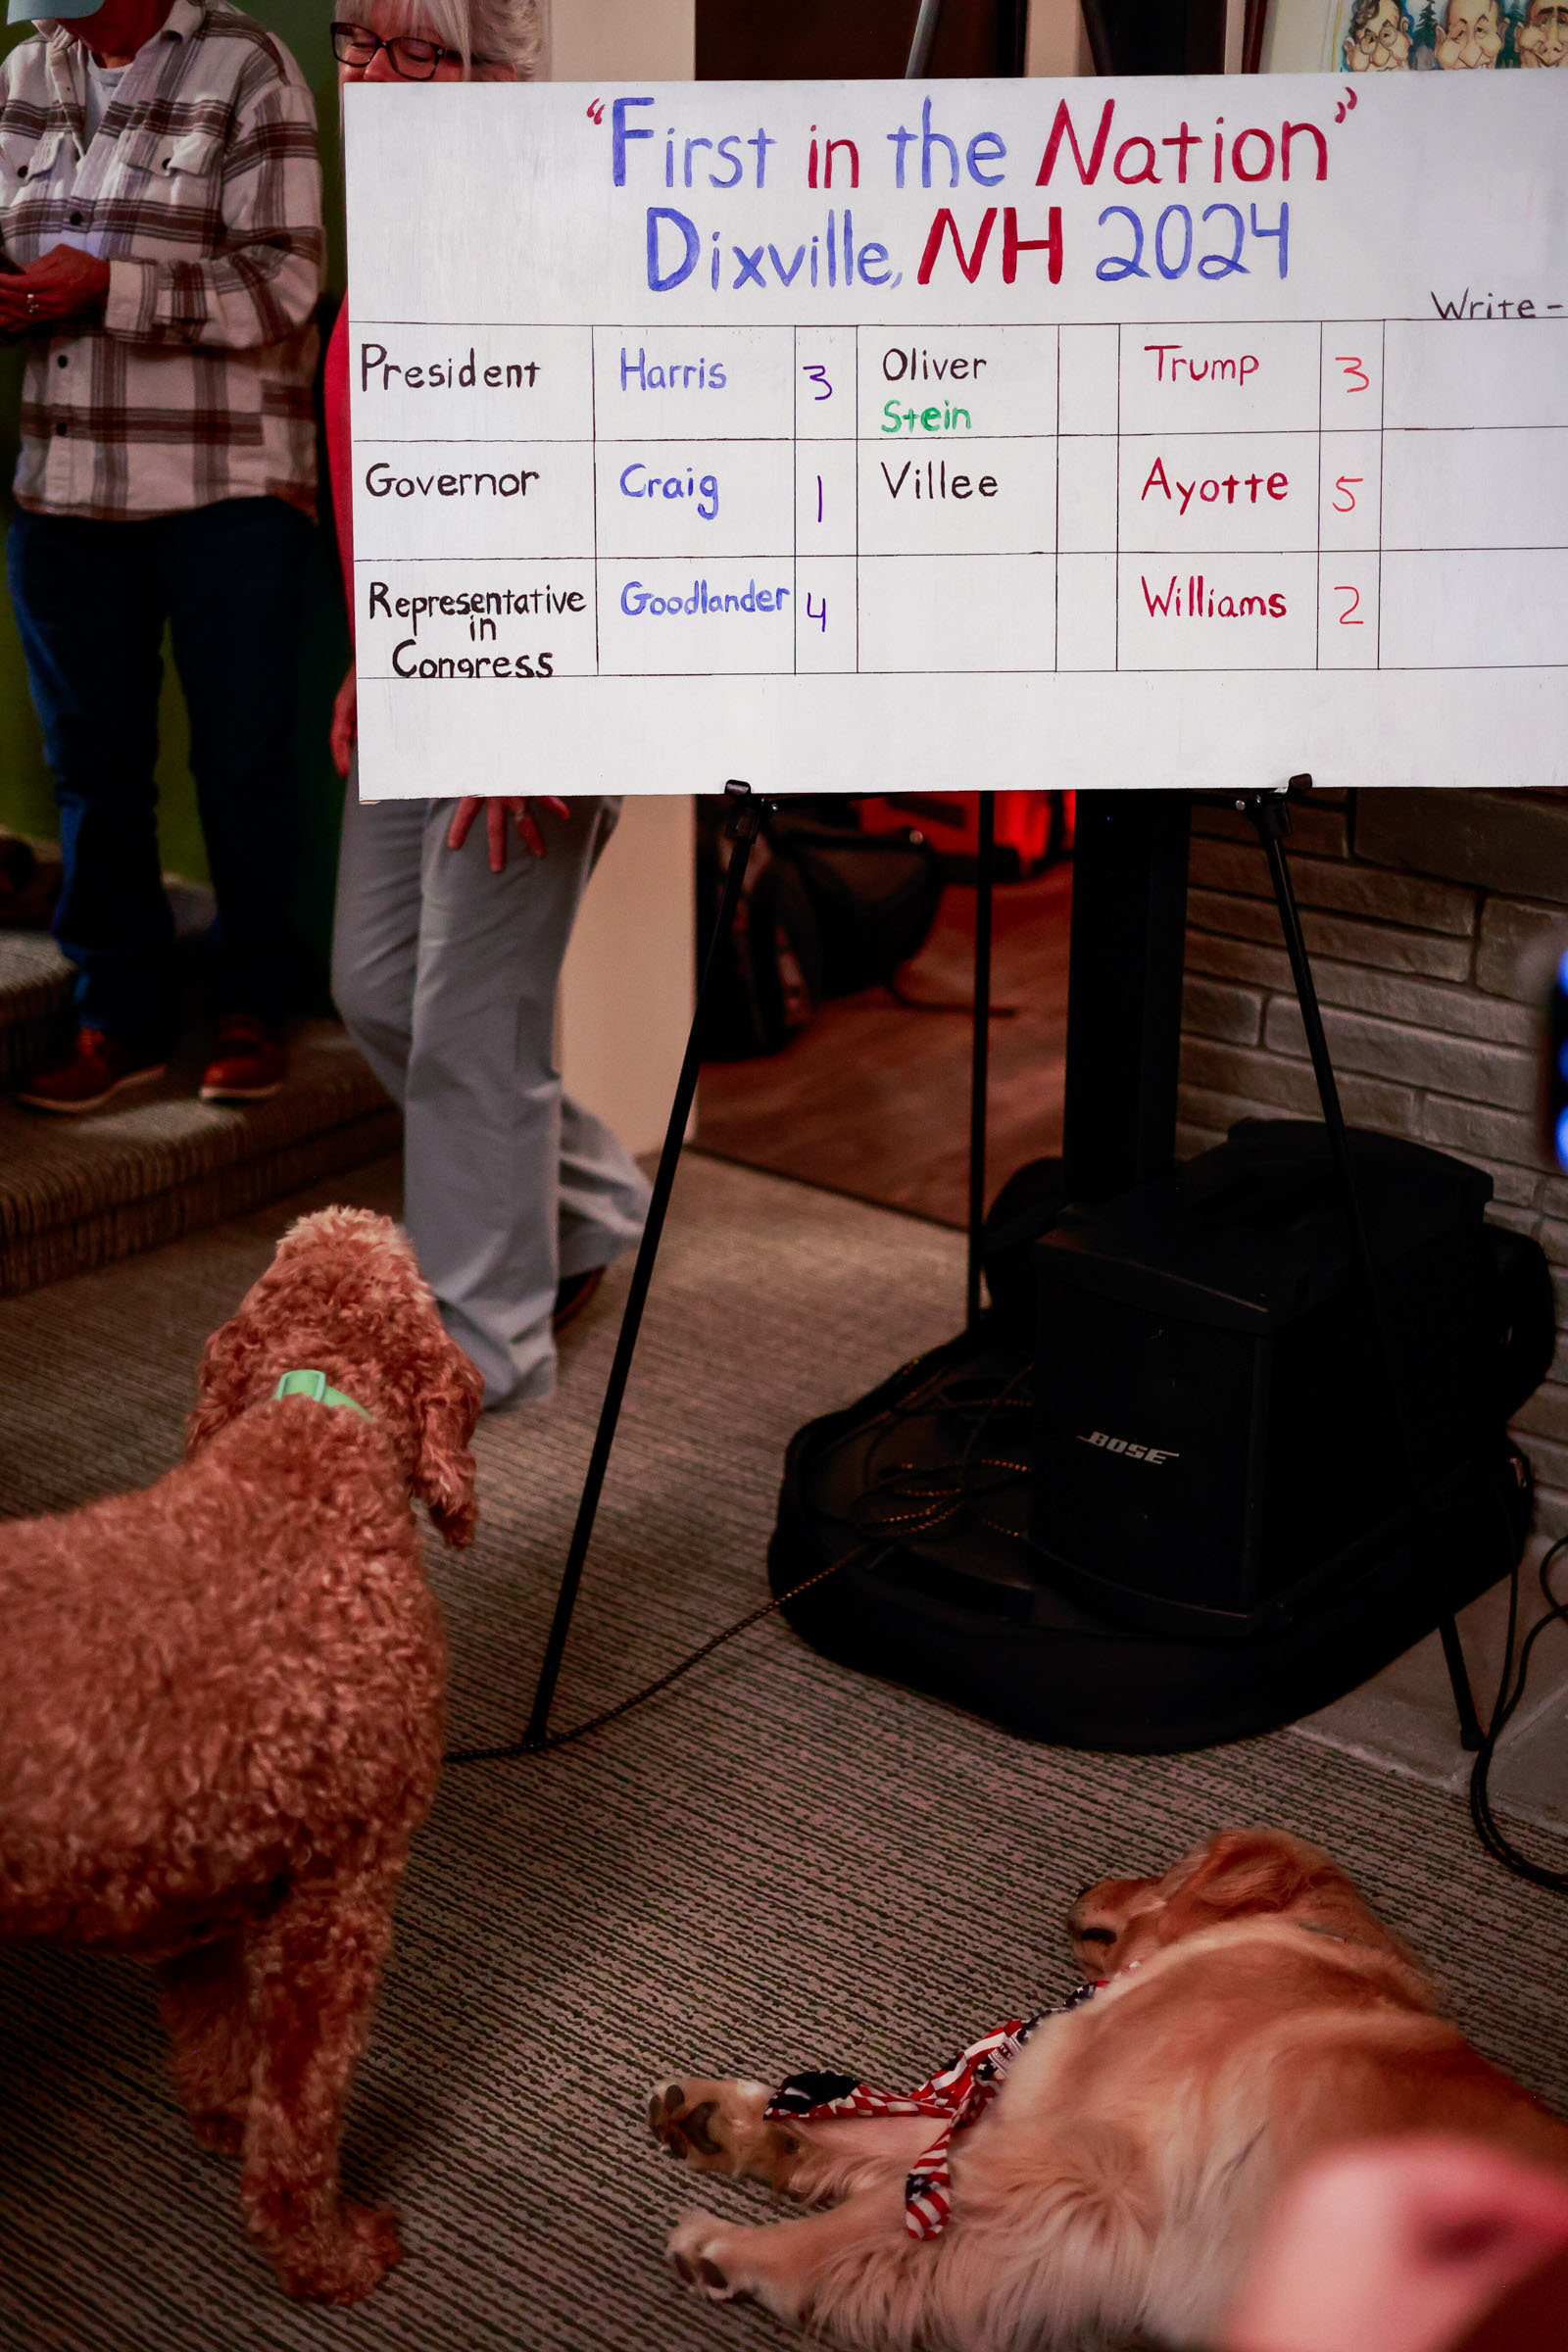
{"x":747,"y":812}
{"x":1270,"y":813}
{"x":745,"y":821}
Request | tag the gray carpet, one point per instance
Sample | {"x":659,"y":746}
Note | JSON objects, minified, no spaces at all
{"x":774,"y":1863}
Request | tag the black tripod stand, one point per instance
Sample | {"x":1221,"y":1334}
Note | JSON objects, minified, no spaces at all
{"x":745,"y":822}
{"x":1270,"y":813}
{"x":746,"y":815}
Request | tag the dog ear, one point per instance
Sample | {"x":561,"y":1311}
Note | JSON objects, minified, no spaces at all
{"x":222,"y":1383}
{"x":1247,"y":1872}
{"x":443,"y":1479}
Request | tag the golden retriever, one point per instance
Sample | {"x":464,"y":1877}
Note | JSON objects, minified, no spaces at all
{"x":1250,"y":2014}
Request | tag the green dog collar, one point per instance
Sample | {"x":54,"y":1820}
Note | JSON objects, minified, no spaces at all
{"x":314,"y":1384}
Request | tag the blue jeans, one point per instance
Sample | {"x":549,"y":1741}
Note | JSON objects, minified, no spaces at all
{"x":92,"y":600}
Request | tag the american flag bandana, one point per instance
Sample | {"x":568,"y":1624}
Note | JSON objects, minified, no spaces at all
{"x":958,"y":2095}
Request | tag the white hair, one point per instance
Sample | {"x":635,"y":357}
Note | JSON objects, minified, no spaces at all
{"x":483,"y":33}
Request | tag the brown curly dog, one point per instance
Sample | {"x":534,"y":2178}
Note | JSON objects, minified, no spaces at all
{"x":223,"y":1716}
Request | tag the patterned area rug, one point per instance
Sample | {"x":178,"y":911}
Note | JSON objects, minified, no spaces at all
{"x":776,"y":1864}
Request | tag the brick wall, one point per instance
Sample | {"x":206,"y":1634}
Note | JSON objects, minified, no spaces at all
{"x":1431,"y":997}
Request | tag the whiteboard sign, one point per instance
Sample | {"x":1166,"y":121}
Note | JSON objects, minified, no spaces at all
{"x":865,"y":436}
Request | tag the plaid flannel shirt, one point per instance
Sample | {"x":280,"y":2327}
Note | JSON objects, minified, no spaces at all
{"x":203,"y":193}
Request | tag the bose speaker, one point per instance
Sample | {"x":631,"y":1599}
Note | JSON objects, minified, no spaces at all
{"x":1214,"y":1437}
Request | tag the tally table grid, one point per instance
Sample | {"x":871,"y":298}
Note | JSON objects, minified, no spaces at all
{"x":1310,"y":565}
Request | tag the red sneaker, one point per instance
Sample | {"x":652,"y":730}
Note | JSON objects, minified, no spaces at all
{"x":247,"y":1066}
{"x":94,"y":1069}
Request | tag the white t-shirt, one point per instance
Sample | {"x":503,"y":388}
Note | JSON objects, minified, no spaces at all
{"x":102,"y":81}
{"x":102,"y":84}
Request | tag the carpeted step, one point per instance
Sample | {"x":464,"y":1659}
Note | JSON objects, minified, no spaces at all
{"x":34,"y":1002}
{"x":154,"y":1164}
{"x":35,"y":979}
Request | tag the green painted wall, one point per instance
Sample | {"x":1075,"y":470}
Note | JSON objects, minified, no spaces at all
{"x":26,"y":801}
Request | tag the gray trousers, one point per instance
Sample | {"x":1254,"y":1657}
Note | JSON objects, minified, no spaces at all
{"x":444,"y":975}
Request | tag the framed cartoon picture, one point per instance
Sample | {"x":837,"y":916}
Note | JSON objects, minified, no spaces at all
{"x":1411,"y":36}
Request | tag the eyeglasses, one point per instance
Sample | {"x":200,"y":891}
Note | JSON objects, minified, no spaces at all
{"x":408,"y":57}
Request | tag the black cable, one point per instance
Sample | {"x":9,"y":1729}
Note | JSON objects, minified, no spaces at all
{"x":933,"y":1495}
{"x":529,"y":1745}
{"x":1510,"y":1691}
{"x":934,"y":1503}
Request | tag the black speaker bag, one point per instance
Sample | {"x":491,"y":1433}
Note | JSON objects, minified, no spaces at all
{"x":874,"y":897}
{"x":968,"y":1610}
{"x":1519,"y":1308}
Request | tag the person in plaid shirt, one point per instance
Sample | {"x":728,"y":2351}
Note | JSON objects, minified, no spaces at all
{"x":160,"y":253}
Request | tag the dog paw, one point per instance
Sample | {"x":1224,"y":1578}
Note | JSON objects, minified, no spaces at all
{"x":715,"y":2126}
{"x":342,"y":2264}
{"x":696,"y":2250}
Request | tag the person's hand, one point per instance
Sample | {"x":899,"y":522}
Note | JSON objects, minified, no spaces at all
{"x":63,"y":284}
{"x":345,"y":721}
{"x":1400,"y":2246}
{"x":497,"y":809}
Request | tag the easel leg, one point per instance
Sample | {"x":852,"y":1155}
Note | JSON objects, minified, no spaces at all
{"x":1270,"y":813}
{"x":980,"y":1066}
{"x":745,"y":823}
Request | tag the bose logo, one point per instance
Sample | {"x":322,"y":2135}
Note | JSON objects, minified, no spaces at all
{"x":1134,"y":1453}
